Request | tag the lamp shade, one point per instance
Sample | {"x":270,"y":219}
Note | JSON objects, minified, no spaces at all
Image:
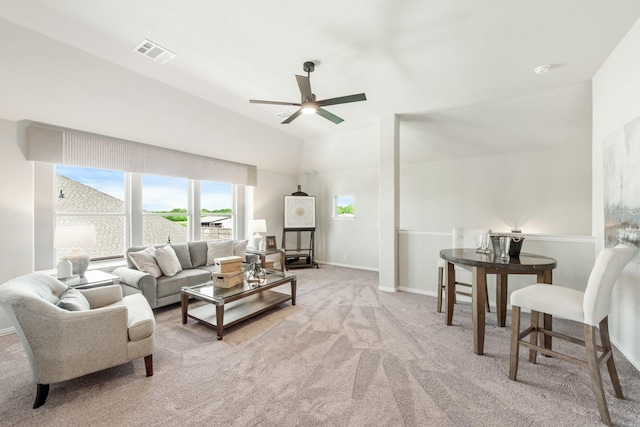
{"x":74,"y":236}
{"x":257,"y":225}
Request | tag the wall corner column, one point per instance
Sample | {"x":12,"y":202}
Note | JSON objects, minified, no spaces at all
{"x":389,"y":188}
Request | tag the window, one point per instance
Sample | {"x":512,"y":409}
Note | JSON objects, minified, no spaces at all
{"x":165,"y":202}
{"x":132,"y":209}
{"x":92,"y":196}
{"x":344,"y":207}
{"x":216,"y":217}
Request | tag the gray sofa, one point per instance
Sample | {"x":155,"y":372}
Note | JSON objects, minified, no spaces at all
{"x":165,"y":290}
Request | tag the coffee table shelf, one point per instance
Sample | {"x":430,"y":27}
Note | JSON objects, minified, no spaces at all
{"x":239,"y":310}
{"x":233,"y":305}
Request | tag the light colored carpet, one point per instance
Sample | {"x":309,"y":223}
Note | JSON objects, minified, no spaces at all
{"x":345,"y":355}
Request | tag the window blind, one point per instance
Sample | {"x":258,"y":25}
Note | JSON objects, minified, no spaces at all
{"x":51,"y":144}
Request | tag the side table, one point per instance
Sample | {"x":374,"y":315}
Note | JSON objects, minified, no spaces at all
{"x":95,"y":279}
{"x":263,"y":255}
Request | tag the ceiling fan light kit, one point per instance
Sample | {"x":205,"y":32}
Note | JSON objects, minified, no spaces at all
{"x":308,"y":103}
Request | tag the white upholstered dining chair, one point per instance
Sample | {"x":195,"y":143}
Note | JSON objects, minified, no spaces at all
{"x":590,"y":307}
{"x":461,"y":238}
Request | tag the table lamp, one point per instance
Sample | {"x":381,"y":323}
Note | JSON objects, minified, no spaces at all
{"x":258,"y":226}
{"x":76,"y":238}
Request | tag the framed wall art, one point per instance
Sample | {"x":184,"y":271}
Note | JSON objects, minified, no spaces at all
{"x":299,"y":212}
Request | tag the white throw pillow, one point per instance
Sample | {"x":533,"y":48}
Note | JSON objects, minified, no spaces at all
{"x":240,"y":249}
{"x":218,"y":249}
{"x":168,"y":261}
{"x":145,"y":261}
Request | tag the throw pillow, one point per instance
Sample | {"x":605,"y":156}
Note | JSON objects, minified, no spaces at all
{"x":168,"y":261}
{"x":240,"y":249}
{"x":146,"y":261}
{"x":218,"y":249}
{"x":73,"y":300}
{"x":183,"y":254}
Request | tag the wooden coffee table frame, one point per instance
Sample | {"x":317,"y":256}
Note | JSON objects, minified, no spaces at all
{"x":227,"y":311}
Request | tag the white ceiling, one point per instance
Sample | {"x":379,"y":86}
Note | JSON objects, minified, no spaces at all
{"x":410,"y":57}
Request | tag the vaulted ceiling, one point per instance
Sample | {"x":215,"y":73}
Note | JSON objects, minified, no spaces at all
{"x":418,"y":58}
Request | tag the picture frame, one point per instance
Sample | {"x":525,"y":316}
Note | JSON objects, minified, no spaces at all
{"x":299,"y":212}
{"x":271,"y":242}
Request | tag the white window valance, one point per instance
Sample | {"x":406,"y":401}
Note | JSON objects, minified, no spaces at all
{"x":51,"y":144}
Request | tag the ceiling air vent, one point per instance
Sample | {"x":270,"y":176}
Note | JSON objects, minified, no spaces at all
{"x":154,"y":51}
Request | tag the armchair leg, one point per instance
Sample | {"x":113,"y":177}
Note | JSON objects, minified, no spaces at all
{"x":42,"y":392}
{"x":148,"y":364}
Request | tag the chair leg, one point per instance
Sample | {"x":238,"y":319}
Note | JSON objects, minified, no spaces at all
{"x":515,"y":342}
{"x":148,"y":364}
{"x":533,"y":354}
{"x":440,"y":289}
{"x":42,"y":391}
{"x":611,"y":365}
{"x":594,"y":373}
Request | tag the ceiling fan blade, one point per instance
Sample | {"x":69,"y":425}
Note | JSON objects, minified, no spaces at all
{"x":342,"y":100}
{"x":292,"y":117}
{"x":305,"y":88}
{"x":256,"y":101}
{"x":329,"y":116}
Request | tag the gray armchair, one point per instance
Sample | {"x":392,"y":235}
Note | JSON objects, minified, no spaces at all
{"x":68,"y":333}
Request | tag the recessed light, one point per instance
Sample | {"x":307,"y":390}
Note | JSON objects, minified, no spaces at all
{"x":542,"y":69}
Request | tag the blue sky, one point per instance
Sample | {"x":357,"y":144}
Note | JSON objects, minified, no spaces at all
{"x":159,"y":193}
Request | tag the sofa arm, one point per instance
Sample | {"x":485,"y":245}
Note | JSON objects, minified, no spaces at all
{"x":139,"y":280}
{"x":102,"y":296}
{"x":136,"y":278}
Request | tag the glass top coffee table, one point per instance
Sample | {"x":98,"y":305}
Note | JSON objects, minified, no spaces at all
{"x":228,"y":306}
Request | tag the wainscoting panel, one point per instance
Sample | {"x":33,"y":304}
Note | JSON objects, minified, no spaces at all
{"x":418,"y":253}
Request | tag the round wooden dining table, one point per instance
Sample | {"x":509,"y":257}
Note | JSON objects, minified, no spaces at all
{"x":481,"y":264}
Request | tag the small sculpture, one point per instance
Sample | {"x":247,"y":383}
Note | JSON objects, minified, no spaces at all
{"x":256,"y":275}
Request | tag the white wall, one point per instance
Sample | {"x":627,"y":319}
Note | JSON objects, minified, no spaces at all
{"x":268,"y":200}
{"x":616,"y":90}
{"x":16,"y":210}
{"x":344,"y":164}
{"x":544,"y":192}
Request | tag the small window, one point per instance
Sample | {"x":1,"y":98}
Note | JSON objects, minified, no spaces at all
{"x":344,"y":207}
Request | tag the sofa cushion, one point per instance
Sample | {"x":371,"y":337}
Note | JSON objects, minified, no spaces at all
{"x":145,"y":260}
{"x":198,"y":252}
{"x":73,"y":300}
{"x":168,"y":261}
{"x":240,"y":249}
{"x":218,"y":249}
{"x":182,"y":252}
{"x":167,"y":286}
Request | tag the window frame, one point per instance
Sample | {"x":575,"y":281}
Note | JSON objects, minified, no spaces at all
{"x":45,"y":216}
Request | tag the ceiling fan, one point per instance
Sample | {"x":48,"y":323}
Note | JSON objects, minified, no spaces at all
{"x":308,"y":103}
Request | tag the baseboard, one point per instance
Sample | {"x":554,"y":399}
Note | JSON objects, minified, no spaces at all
{"x":635,"y":362}
{"x":7,"y":331}
{"x":357,"y":267}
